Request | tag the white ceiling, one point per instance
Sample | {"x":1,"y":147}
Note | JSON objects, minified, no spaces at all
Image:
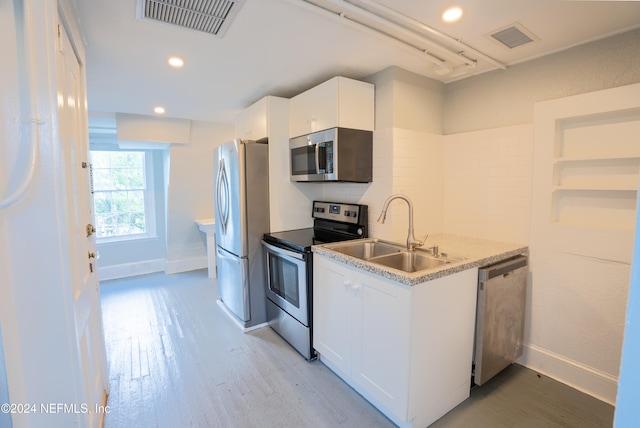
{"x":283,"y":47}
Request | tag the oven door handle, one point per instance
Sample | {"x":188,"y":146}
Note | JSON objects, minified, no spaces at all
{"x":279,"y":250}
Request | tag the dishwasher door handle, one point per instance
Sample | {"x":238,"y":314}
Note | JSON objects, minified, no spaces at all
{"x":503,"y":268}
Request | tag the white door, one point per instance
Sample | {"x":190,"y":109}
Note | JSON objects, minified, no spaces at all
{"x":73,"y":137}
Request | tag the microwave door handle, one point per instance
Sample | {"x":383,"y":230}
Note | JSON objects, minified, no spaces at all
{"x":316,"y":149}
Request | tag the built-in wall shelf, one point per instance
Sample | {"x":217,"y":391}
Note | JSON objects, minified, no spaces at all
{"x":596,"y":170}
{"x":595,"y":208}
{"x":562,"y":160}
{"x":599,"y":188}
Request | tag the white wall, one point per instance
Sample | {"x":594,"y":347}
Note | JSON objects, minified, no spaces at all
{"x":406,"y":100}
{"x":504,"y":98}
{"x":190,"y":194}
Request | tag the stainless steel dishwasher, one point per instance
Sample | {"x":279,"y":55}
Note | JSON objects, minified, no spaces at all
{"x":499,"y":317}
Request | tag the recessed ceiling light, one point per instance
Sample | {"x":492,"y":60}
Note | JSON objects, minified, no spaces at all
{"x":174,"y":61}
{"x":452,"y":14}
{"x":159,"y":110}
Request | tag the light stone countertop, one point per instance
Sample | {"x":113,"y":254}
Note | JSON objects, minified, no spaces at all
{"x":473,"y":252}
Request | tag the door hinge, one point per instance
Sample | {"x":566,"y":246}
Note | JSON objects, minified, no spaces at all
{"x":90,"y":229}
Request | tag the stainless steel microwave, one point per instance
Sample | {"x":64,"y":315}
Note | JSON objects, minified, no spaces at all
{"x":336,"y":154}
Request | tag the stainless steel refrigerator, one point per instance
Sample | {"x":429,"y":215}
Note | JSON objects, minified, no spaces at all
{"x":241,"y":198}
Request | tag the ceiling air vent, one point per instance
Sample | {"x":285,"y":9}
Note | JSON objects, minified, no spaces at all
{"x":209,"y":16}
{"x":513,"y":36}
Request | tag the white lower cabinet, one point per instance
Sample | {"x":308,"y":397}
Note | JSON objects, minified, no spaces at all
{"x":404,"y":348}
{"x":360,"y":323}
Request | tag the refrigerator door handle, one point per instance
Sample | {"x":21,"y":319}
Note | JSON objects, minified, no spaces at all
{"x":223,"y":256}
{"x":223,"y":196}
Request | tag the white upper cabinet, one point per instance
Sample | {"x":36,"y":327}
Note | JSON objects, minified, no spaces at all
{"x":338,"y":102}
{"x":252,"y":122}
{"x":289,"y":204}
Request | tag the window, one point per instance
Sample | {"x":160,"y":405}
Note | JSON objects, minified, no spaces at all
{"x":123,"y":202}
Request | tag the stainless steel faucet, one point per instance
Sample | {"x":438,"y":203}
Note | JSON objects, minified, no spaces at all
{"x":412,"y":242}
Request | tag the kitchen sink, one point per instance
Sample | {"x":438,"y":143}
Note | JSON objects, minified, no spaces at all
{"x":392,"y":255}
{"x":409,"y":261}
{"x":366,"y":250}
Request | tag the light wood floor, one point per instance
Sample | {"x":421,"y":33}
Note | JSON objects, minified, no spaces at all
{"x":176,"y":360}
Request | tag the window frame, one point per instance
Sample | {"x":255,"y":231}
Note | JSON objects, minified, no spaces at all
{"x":149,"y":196}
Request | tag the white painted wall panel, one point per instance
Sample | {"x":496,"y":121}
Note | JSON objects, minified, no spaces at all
{"x":580,"y":262}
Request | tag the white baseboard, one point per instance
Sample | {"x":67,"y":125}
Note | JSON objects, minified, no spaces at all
{"x":591,"y":381}
{"x":130,"y":269}
{"x":125,"y":270}
{"x":185,"y":265}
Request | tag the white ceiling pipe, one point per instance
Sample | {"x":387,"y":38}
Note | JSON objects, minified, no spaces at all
{"x":382,"y":9}
{"x":345,"y":20}
{"x":350,"y":12}
{"x":353,"y":12}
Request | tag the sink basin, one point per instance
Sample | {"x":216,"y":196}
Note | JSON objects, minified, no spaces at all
{"x":409,"y":262}
{"x":366,"y":250}
{"x":393,"y":255}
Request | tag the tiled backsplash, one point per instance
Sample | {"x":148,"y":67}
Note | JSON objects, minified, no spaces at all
{"x":407,"y":162}
{"x":476,"y":184}
{"x":487,"y":183}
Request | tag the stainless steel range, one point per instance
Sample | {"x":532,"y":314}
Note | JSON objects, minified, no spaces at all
{"x":289,"y":265}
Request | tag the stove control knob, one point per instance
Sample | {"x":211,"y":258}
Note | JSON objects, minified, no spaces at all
{"x":360,"y":231}
{"x":347,"y":213}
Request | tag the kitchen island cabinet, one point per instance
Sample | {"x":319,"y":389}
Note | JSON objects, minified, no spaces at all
{"x":406,"y":349}
{"x":338,"y":102}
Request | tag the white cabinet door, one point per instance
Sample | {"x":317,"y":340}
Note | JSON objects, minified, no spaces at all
{"x":312,"y":110}
{"x":381,"y":355}
{"x":339,"y":102}
{"x":251,"y":123}
{"x":361,"y":326}
{"x":333,"y":303}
